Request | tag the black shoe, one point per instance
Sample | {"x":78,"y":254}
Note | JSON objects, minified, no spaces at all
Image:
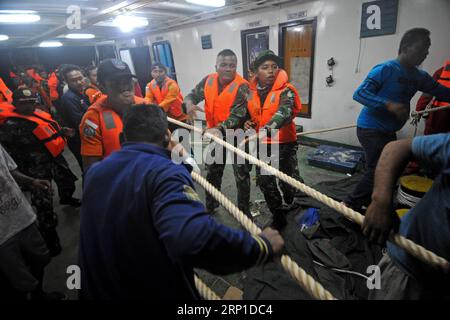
{"x":74,"y":202}
{"x":279,"y":222}
{"x":279,"y":218}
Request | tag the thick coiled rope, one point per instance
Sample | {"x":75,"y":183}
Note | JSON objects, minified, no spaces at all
{"x":314,"y":288}
{"x":204,"y":290}
{"x":414,"y":249}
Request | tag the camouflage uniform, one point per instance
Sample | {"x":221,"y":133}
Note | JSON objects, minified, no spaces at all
{"x":237,"y":118}
{"x":34,"y":160}
{"x":288,"y":162}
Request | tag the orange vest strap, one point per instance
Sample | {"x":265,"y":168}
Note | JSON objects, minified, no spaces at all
{"x":47,"y":131}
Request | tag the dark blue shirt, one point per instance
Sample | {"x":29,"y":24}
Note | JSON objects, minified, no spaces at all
{"x":428,"y":223}
{"x":144,"y":228}
{"x":390,"y":81}
{"x":73,"y":107}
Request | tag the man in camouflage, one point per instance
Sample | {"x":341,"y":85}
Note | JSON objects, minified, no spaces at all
{"x":270,"y":89}
{"x":226,"y":65}
{"x":33,"y":159}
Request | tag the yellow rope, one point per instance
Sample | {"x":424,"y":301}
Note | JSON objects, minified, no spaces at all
{"x":307,"y":282}
{"x":204,"y":290}
{"x":414,"y":249}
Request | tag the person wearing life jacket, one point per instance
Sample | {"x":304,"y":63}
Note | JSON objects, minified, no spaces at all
{"x":438,"y":121}
{"x":273,"y":104}
{"x":36,"y":141}
{"x":101,"y":125}
{"x":92,"y":91}
{"x":225,"y":95}
{"x":5,"y":93}
{"x":166,"y":93}
{"x":53,"y":86}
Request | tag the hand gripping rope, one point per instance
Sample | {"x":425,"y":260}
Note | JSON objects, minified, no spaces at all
{"x":307,"y":282}
{"x":414,"y":249}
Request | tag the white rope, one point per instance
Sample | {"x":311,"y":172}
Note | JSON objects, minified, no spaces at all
{"x":406,"y":199}
{"x":415,"y":113}
{"x":307,"y":282}
{"x":325,"y":130}
{"x":414,"y":249}
{"x":204,"y":290}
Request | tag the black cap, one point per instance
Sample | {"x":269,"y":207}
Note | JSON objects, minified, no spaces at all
{"x":24,"y":95}
{"x":111,"y":69}
{"x":265,"y":55}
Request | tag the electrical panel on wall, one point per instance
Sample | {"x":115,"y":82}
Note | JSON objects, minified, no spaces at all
{"x":206,"y":42}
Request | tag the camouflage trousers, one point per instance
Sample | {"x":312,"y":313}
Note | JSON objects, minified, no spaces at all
{"x":58,"y":171}
{"x":242,"y":177}
{"x":286,"y":162}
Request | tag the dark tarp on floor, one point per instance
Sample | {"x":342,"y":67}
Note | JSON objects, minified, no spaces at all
{"x":336,"y":243}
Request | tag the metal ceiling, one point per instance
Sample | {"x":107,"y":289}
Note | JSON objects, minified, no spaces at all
{"x":97,"y":16}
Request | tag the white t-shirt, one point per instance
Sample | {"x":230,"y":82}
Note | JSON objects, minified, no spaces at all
{"x":15,"y":212}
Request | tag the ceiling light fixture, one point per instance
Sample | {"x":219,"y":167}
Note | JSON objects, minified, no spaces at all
{"x":3,"y":37}
{"x":50,"y":44}
{"x":208,"y":3}
{"x":80,"y":36}
{"x":127,"y":23}
{"x":18,"y":16}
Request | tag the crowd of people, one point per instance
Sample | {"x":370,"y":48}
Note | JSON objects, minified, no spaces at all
{"x":140,"y":213}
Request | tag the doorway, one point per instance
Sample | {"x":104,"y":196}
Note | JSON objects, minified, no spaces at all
{"x":139,"y":61}
{"x":296,"y":47}
{"x":162,"y":51}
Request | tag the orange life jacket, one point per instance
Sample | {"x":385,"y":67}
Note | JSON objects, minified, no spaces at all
{"x":32,"y":73}
{"x":218,"y":106}
{"x":262,"y":113}
{"x":444,"y":79}
{"x":111,"y":124}
{"x":53,"y":86}
{"x":47,"y":131}
{"x":5,"y":93}
{"x":93,"y":93}
{"x":175,"y":110}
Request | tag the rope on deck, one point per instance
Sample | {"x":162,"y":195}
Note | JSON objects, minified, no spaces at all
{"x":414,"y":249}
{"x":314,"y":288}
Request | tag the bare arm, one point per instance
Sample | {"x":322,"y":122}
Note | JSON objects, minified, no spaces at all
{"x":380,"y":217}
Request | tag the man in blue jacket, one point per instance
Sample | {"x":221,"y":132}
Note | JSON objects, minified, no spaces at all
{"x":144,"y":228}
{"x":386,"y":94}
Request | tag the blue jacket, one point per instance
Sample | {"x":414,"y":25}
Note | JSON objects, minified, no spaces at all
{"x":144,"y":228}
{"x":390,"y":81}
{"x":73,"y":107}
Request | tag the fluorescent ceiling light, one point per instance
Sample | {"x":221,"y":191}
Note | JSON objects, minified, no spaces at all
{"x":3,"y":37}
{"x":18,"y":11}
{"x":18,"y":16}
{"x":127,"y":23}
{"x":208,"y":3}
{"x":48,"y":44}
{"x":80,"y":36}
